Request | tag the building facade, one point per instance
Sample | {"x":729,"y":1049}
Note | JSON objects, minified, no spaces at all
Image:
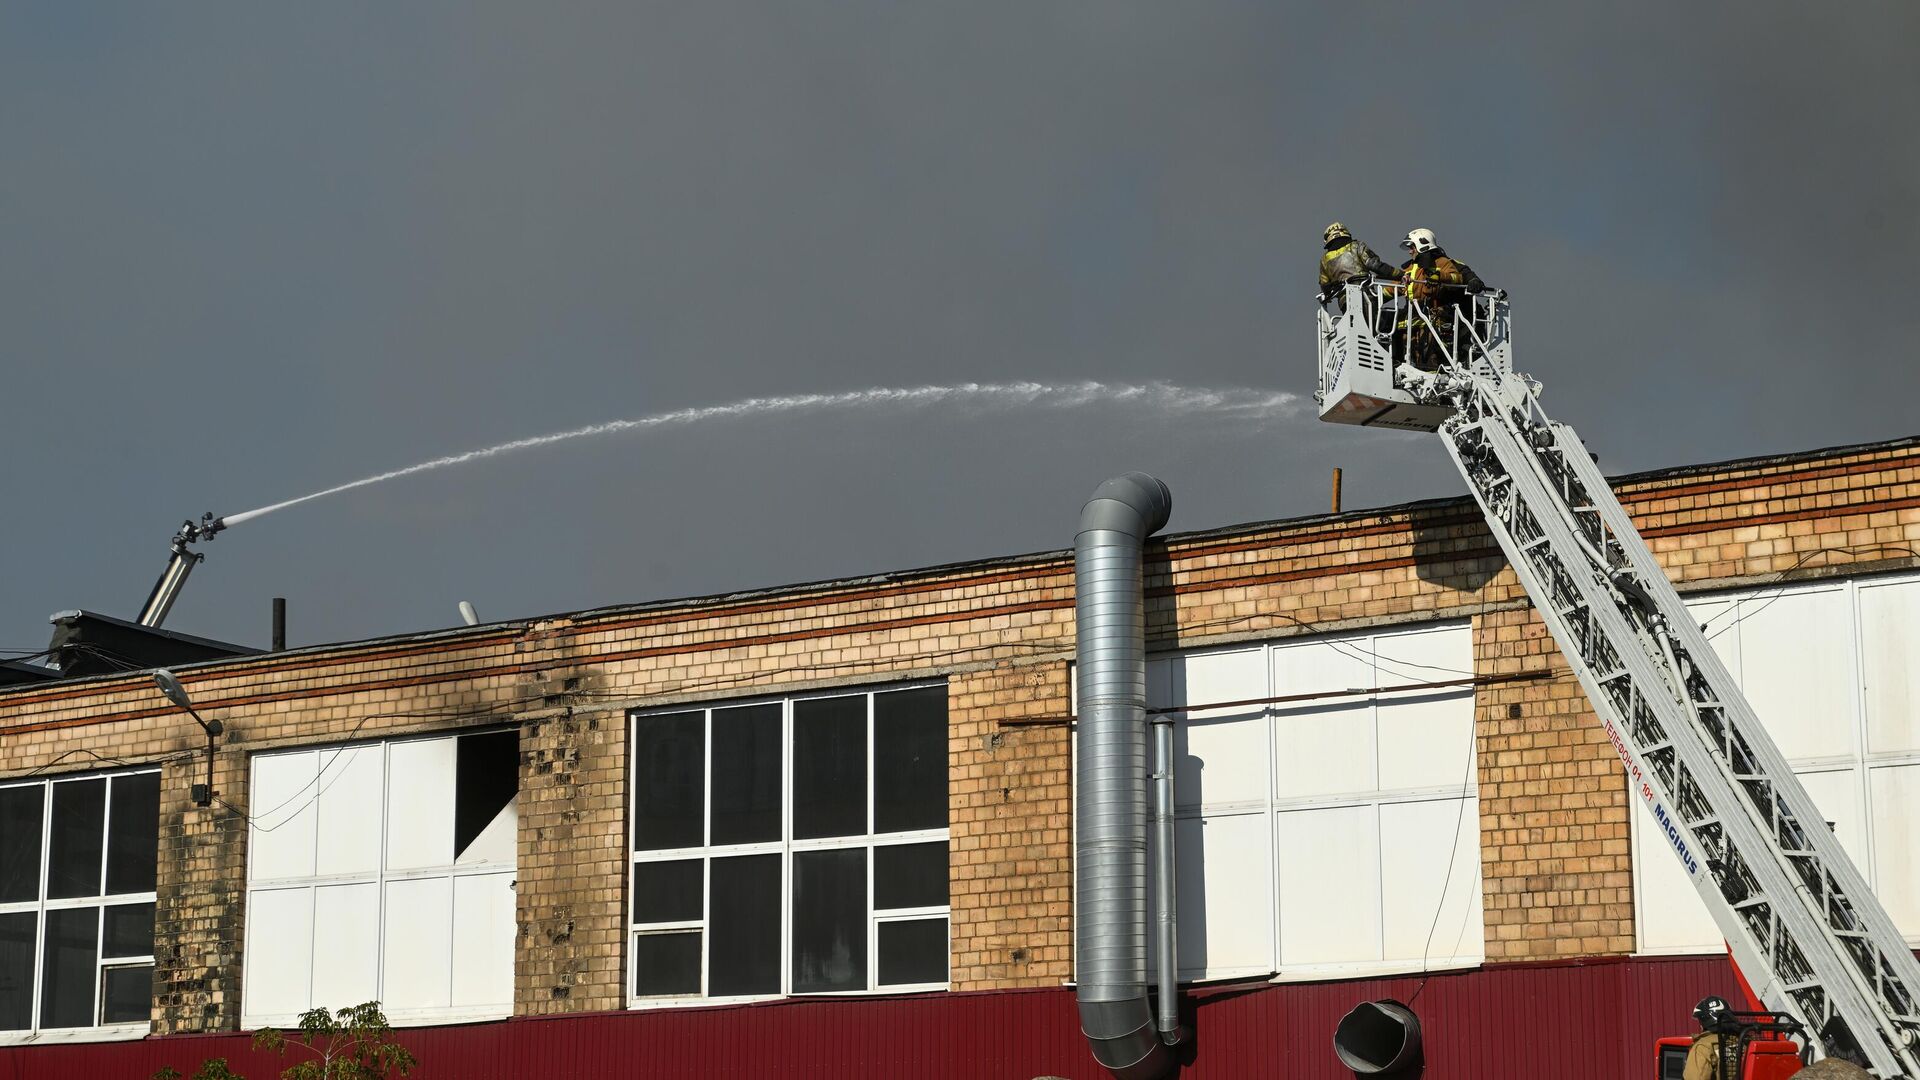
{"x":828,"y":829}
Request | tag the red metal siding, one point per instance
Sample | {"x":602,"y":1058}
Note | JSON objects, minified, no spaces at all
{"x":1593,"y":1021}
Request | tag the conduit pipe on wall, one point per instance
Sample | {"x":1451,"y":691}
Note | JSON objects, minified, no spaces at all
{"x":1110,"y":789}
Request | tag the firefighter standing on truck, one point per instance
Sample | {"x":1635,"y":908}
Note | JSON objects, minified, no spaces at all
{"x":1711,"y":1057}
{"x":1436,"y":283}
{"x":1345,"y":259}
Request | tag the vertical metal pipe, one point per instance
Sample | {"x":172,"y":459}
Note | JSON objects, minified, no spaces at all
{"x":1336,"y":491}
{"x":279,"y":623}
{"x":1110,"y":776}
{"x":167,"y":589}
{"x":1166,"y":953}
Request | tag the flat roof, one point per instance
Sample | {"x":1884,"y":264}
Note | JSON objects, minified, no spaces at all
{"x":1758,"y":462}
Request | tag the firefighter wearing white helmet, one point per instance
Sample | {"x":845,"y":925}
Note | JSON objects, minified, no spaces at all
{"x":1344,"y":259}
{"x":1711,"y":1057}
{"x":1437,"y":283}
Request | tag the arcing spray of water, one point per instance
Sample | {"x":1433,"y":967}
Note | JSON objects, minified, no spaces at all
{"x":1164,"y":398}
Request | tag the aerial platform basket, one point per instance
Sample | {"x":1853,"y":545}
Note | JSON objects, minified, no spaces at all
{"x":1366,"y":334}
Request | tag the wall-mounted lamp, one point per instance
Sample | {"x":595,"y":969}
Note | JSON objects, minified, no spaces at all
{"x":170,"y":686}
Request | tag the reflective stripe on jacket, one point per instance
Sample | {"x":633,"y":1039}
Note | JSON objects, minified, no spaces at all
{"x":1350,"y":260}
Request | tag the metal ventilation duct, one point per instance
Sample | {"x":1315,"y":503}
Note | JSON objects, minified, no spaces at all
{"x":1110,"y":789}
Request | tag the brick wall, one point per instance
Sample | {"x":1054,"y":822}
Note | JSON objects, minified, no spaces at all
{"x":1556,"y":868}
{"x":1010,"y":809}
{"x":1553,"y":812}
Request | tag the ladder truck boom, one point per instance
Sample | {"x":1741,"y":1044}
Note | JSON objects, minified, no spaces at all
{"x":1798,"y":918}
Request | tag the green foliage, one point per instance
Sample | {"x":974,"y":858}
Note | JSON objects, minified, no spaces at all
{"x":352,"y":1044}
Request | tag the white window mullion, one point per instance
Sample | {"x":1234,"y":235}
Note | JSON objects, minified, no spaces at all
{"x":99,"y":926}
{"x":1868,"y":834}
{"x":40,"y":923}
{"x":786,"y":846}
{"x":106,"y":830}
{"x":1273,"y":823}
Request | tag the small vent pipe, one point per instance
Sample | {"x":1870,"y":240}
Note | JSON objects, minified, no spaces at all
{"x":1110,"y":789}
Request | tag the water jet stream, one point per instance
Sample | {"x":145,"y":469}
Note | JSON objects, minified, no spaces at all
{"x":1161,"y":397}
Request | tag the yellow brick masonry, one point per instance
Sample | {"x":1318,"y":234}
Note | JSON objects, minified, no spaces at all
{"x":1553,"y":809}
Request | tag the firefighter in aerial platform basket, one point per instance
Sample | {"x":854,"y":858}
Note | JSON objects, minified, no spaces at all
{"x":1344,"y":259}
{"x":1436,"y":284}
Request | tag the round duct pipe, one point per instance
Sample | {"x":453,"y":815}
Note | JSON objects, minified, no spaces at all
{"x":1378,"y":1038}
{"x":1110,"y":783}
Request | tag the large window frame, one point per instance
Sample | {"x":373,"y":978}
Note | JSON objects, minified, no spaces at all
{"x":388,"y":959}
{"x":1849,"y":783}
{"x":786,"y":848}
{"x":1282,"y":823}
{"x":133,"y":965}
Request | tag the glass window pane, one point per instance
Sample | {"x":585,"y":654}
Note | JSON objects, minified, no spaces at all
{"x":830,"y":766}
{"x":667,"y":891}
{"x":829,"y":920}
{"x":910,"y":875}
{"x":666,"y":963}
{"x":913,"y":951}
{"x":746,"y":926}
{"x":669,"y":779}
{"x":16,"y":970}
{"x":20,"y":842}
{"x":67,"y":966}
{"x":126,"y":994}
{"x":73,"y":863}
{"x":133,"y":838}
{"x":129,"y":931}
{"x":746,"y":774}
{"x":910,"y":760}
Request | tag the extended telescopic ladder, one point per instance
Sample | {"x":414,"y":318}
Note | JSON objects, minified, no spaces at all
{"x":1807,"y":934}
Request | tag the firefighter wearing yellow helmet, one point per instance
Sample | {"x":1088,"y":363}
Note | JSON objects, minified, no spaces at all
{"x":1344,"y":259}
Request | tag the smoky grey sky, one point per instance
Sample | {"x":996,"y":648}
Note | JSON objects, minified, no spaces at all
{"x":249,"y":251}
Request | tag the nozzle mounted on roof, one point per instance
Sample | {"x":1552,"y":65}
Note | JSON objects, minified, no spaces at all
{"x":179,"y":565}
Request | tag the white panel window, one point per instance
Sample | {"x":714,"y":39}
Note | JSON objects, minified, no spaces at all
{"x":1896,"y":811}
{"x":1427,"y":850}
{"x":346,"y":919}
{"x":418,"y":945}
{"x":355,"y":776}
{"x":77,"y":865}
{"x":1322,"y":747}
{"x":1333,"y":834}
{"x":1828,"y":668}
{"x":279,"y":954}
{"x":1220,"y":755}
{"x":1670,"y":916}
{"x":376,"y":872}
{"x":483,"y":929}
{"x":1234,"y":889}
{"x":1797,"y":668}
{"x":420,"y":811}
{"x":793,"y":846}
{"x":1329,"y":887}
{"x":285,"y":793}
{"x":1890,"y":641}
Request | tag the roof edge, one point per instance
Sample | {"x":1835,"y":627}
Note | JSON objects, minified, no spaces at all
{"x":896,"y":577}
